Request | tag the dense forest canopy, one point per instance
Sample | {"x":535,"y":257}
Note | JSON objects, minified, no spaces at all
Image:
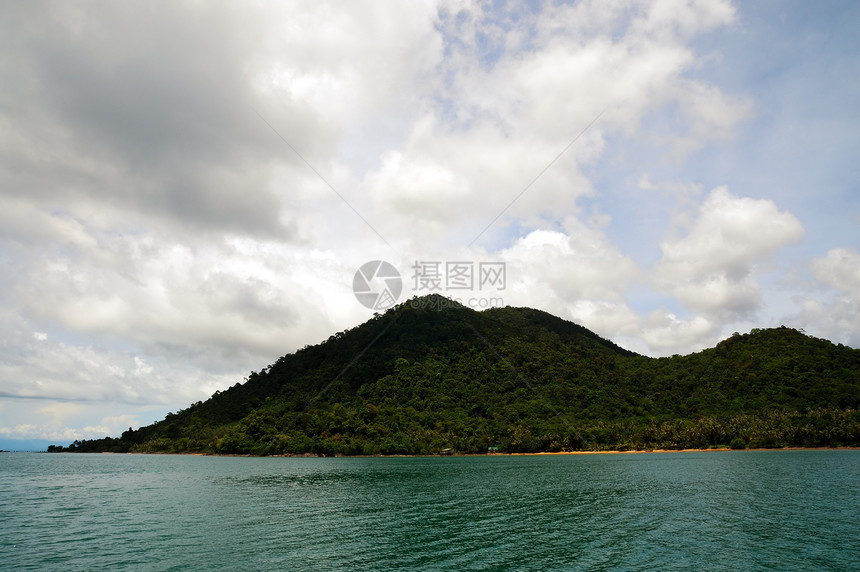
{"x":431,"y":375}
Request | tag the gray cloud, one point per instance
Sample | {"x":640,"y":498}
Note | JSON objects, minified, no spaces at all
{"x":128,"y":106}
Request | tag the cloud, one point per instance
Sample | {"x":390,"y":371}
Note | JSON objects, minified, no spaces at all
{"x":681,"y":191}
{"x":686,"y":17}
{"x":159,"y":123}
{"x":711,"y":268}
{"x":577,"y":274}
{"x":710,"y":116}
{"x":55,"y":428}
{"x":833,"y":313}
{"x":664,"y":333}
{"x":840,"y":269}
{"x":519,"y":86}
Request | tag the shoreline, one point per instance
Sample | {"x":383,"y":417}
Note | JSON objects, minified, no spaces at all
{"x":650,"y":451}
{"x":714,"y":450}
{"x":539,"y":454}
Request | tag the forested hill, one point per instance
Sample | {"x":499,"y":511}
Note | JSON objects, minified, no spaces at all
{"x":430,"y":375}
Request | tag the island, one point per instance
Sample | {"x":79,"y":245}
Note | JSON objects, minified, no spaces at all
{"x":431,"y":376}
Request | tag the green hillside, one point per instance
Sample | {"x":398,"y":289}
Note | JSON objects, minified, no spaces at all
{"x":430,"y":375}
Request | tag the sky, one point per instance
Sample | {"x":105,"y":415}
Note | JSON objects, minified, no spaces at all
{"x":187,"y":189}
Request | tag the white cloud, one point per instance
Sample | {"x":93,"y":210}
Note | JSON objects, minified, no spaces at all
{"x":54,"y":429}
{"x":499,"y":120}
{"x":65,"y":421}
{"x":840,"y":269}
{"x":664,"y":333}
{"x":711,"y":268}
{"x":578,"y":275}
{"x":833,"y":312}
{"x":681,"y":191}
{"x":417,"y":188}
{"x":710,"y":116}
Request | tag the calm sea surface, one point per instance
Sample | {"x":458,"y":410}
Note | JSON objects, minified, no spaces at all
{"x":772,"y":510}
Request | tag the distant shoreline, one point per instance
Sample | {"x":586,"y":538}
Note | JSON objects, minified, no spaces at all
{"x":539,"y":454}
{"x":714,"y":450}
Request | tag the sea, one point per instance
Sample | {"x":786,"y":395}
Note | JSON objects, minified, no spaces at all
{"x":729,"y":510}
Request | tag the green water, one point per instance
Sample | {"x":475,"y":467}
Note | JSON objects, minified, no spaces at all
{"x":773,"y":510}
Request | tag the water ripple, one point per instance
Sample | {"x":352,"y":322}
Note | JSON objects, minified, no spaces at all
{"x":727,"y":511}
